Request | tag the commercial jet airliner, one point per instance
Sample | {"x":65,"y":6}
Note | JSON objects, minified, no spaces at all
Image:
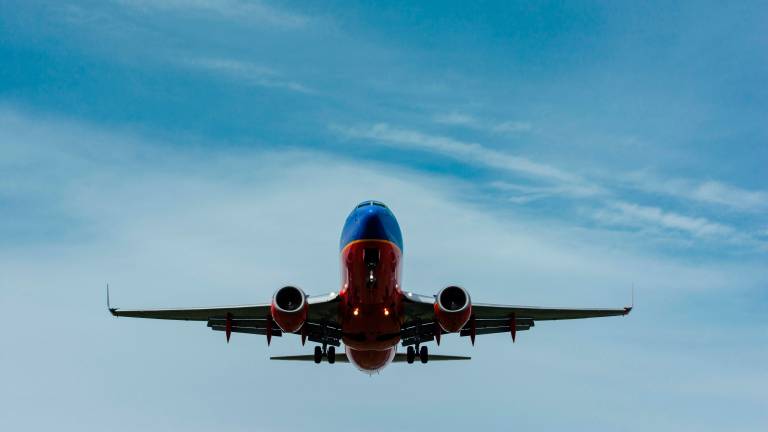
{"x":371,"y":313}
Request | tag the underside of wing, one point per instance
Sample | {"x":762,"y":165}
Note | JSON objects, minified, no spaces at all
{"x":492,"y":311}
{"x":421,"y":324}
{"x":260,"y":311}
{"x":321,"y":325}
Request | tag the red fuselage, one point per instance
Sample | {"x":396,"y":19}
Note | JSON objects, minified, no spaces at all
{"x":371,"y":296}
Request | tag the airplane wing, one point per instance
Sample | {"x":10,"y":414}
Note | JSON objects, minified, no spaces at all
{"x":488,"y":318}
{"x":322,"y":325}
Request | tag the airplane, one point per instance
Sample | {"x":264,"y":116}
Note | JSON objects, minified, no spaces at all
{"x":371,"y":313}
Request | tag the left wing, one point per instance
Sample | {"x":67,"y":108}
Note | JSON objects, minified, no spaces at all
{"x":322,"y":321}
{"x":488,"y":318}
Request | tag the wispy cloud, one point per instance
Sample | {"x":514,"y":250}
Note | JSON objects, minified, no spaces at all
{"x":472,"y":122}
{"x":246,"y":72}
{"x":708,"y":192}
{"x":524,"y":193}
{"x":538,"y":181}
{"x":456,"y":119}
{"x":463,"y":151}
{"x":253,"y":10}
{"x":633,"y":215}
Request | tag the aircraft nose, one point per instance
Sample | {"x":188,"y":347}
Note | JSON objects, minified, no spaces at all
{"x":371,"y":221}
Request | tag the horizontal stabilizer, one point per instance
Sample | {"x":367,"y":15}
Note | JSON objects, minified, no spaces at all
{"x":400,"y":358}
{"x":342,"y":358}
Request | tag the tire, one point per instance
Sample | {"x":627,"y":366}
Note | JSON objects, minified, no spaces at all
{"x":423,"y":354}
{"x":331,"y":354}
{"x":410,"y":355}
{"x":318,"y":355}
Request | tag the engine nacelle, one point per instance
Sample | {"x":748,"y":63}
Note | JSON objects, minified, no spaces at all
{"x":289,"y":308}
{"x":453,"y":308}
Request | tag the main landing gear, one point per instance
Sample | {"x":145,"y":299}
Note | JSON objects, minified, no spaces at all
{"x":329,"y":353}
{"x":410,"y":354}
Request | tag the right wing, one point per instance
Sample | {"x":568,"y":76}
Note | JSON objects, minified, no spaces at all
{"x":322,"y":324}
{"x":488,"y":318}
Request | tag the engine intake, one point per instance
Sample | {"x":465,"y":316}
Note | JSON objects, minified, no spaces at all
{"x":289,"y":308}
{"x":453,"y":308}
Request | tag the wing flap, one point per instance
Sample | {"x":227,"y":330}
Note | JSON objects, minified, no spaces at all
{"x":492,"y":330}
{"x":249,"y":330}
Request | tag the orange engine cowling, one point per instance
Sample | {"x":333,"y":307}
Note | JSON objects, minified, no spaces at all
{"x":289,"y":308}
{"x":453,"y":308}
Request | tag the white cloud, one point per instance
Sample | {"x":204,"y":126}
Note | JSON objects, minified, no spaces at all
{"x":628,"y":214}
{"x":721,"y":193}
{"x":247,"y":73}
{"x":523,"y":194}
{"x":457,"y":119}
{"x":542,"y":181}
{"x":511,"y":127}
{"x":709,"y":192}
{"x":463,"y":151}
{"x":253,"y":10}
{"x":472,"y":122}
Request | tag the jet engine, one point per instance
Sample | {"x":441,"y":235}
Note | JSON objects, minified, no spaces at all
{"x":452,"y":308}
{"x":289,"y":308}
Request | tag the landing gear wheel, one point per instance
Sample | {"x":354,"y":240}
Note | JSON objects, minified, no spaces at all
{"x":410,"y":355}
{"x":423,"y":354}
{"x":331,"y":355}
{"x":318,"y":355}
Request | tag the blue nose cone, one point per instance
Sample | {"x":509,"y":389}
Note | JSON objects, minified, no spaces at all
{"x":371,"y":220}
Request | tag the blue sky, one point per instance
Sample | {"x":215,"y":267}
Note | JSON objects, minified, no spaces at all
{"x":206,"y":152}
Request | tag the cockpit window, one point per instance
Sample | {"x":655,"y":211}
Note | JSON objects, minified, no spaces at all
{"x":367,"y":203}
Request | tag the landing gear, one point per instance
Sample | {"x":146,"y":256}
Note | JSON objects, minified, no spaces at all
{"x":410,"y":354}
{"x":329,"y":352}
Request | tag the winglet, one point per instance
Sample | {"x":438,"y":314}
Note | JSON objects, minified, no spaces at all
{"x":112,"y":310}
{"x":629,"y":308}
